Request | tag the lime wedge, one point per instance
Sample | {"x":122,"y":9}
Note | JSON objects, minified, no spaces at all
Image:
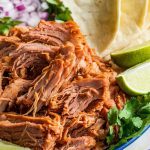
{"x":131,"y":56}
{"x":136,"y":80}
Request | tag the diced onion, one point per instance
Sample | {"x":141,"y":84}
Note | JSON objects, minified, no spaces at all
{"x":43,"y":15}
{"x":44,"y":5}
{"x":20,"y":7}
{"x":34,"y":19}
{"x":1,"y":9}
{"x":25,"y":17}
{"x":28,"y":11}
{"x":31,"y":8}
{"x":6,"y":13}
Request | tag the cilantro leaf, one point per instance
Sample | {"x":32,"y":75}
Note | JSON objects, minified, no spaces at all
{"x":6,"y":23}
{"x":137,"y":122}
{"x":58,"y":11}
{"x":145,"y":109}
{"x":120,"y":132}
{"x":113,"y":116}
{"x":54,"y":2}
{"x":128,"y":109}
{"x":131,"y":120}
{"x":111,"y":135}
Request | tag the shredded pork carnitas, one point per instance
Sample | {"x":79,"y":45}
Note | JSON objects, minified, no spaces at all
{"x":54,"y":91}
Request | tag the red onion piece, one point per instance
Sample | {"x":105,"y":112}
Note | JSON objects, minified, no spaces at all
{"x":1,"y":8}
{"x":43,"y":15}
{"x":6,"y":13}
{"x":34,"y":19}
{"x":44,"y":5}
{"x":20,"y":7}
{"x":31,"y":8}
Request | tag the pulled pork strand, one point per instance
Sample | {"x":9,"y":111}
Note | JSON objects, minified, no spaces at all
{"x":55,"y":91}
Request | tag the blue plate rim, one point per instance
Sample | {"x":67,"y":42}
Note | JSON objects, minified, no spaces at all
{"x":132,"y":140}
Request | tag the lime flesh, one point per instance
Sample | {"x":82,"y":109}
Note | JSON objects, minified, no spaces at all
{"x":136,"y":80}
{"x":131,"y":56}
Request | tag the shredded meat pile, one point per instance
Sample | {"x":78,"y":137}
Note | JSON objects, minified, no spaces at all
{"x":55,"y":92}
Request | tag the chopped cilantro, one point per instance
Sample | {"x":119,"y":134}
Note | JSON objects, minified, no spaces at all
{"x":137,"y":122}
{"x":131,"y":120}
{"x":58,"y":11}
{"x":113,"y":116}
{"x":6,"y":23}
{"x":111,"y":135}
{"x":54,"y":2}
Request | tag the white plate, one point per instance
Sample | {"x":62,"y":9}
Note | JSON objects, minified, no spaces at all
{"x":139,"y":143}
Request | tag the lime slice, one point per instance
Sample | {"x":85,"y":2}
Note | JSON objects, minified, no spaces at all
{"x":131,"y":56}
{"x":136,"y":80}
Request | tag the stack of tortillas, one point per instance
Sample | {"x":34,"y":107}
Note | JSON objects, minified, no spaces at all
{"x":110,"y":25}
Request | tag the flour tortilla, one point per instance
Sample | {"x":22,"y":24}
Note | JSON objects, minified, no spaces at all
{"x":147,"y":18}
{"x":135,"y":10}
{"x":133,"y":26}
{"x":111,"y":25}
{"x":98,"y":20}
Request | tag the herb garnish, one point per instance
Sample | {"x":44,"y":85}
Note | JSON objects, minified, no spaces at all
{"x":58,"y":11}
{"x":131,"y":120}
{"x":6,"y":23}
